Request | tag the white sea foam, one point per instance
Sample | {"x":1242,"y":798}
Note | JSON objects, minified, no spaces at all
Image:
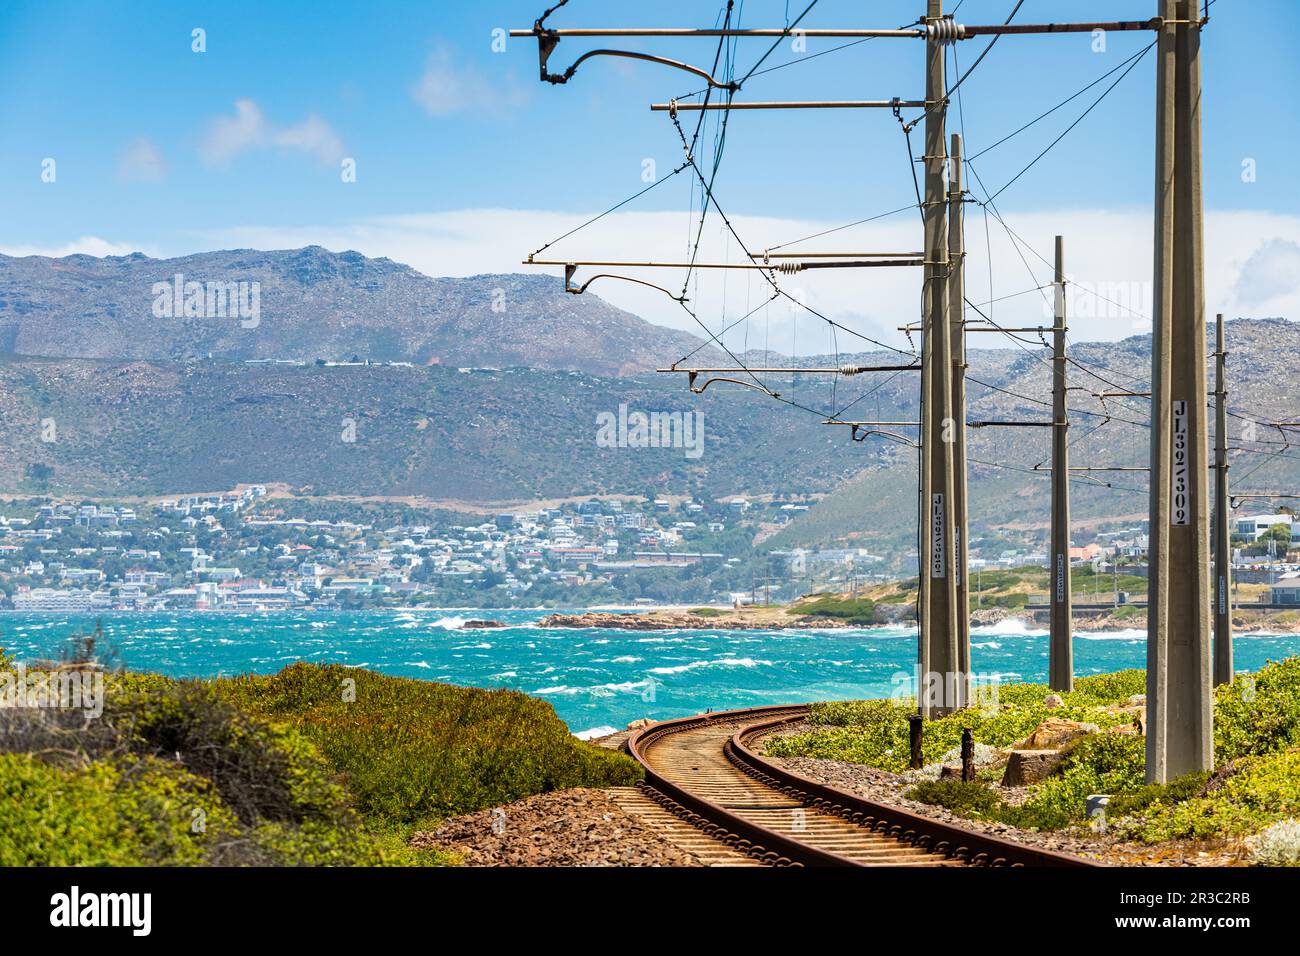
{"x":449,"y":623}
{"x":594,"y":732}
{"x":1131,"y":634}
{"x":598,"y":690}
{"x":720,"y":662}
{"x":1011,"y":627}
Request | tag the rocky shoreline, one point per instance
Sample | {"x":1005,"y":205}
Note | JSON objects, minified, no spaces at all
{"x":779,"y":619}
{"x":666,"y":621}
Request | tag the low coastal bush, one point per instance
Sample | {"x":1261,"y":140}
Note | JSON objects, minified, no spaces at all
{"x":1258,"y":713}
{"x":170,"y":774}
{"x":1278,"y":845}
{"x":1098,"y":763}
{"x":965,"y":799}
{"x":850,"y":610}
{"x":1154,"y":794}
{"x":1256,"y":792}
{"x":411,"y":752}
{"x":1257,"y":747}
{"x":876,"y":732}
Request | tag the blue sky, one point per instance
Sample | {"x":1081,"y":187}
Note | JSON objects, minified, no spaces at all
{"x":170,"y":151}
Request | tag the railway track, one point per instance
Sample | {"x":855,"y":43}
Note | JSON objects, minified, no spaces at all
{"x":704,"y":778}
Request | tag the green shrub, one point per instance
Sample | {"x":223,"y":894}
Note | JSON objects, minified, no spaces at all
{"x":1176,"y":791}
{"x":170,"y":774}
{"x":94,"y":816}
{"x":876,"y":732}
{"x":1098,"y":763}
{"x":1106,"y":689}
{"x":414,"y":751}
{"x":1277,"y":845}
{"x":1264,"y":790}
{"x":1258,"y":713}
{"x":849,"y":610}
{"x":962,"y":798}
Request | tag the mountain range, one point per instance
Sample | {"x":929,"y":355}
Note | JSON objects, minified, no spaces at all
{"x":313,"y":304}
{"x":494,"y":388}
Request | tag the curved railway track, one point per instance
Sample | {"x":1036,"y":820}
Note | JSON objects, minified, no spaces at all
{"x":708,"y":780}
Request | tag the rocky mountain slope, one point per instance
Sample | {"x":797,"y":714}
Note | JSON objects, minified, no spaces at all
{"x":310,"y":304}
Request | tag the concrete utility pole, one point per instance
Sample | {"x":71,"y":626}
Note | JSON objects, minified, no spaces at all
{"x":957,"y":325}
{"x":1060,"y":665}
{"x":938,"y":653}
{"x":1180,"y":718}
{"x":1222,"y":539}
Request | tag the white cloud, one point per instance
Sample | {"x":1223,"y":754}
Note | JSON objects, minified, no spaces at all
{"x":229,"y":136}
{"x":86,"y":245}
{"x":1272,"y":272}
{"x":1108,"y":254}
{"x":448,"y":86}
{"x":141,"y":161}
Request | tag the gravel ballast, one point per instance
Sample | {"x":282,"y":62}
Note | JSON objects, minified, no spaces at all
{"x":579,"y":827}
{"x":888,"y":788}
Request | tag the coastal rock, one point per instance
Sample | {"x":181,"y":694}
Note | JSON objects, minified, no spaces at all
{"x":988,"y":615}
{"x":685,"y":620}
{"x":1053,"y":701}
{"x":640,"y":723}
{"x":1054,"y":733}
{"x":1030,"y":766}
{"x":476,"y":625}
{"x":893,"y":613}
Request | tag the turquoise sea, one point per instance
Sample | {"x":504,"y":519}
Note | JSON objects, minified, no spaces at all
{"x":594,"y":678}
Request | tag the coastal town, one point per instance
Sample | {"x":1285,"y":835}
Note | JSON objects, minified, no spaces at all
{"x":246,"y":550}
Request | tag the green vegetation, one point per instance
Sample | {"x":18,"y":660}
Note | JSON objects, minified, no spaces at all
{"x":1258,"y":713}
{"x":1255,"y":792}
{"x":875,"y":732}
{"x":312,"y":766}
{"x":1013,"y":588}
{"x":170,"y":775}
{"x":1176,"y":791}
{"x":411,"y":751}
{"x":1100,"y":763}
{"x":1257,"y":745}
{"x":849,"y":610}
{"x":977,"y":800}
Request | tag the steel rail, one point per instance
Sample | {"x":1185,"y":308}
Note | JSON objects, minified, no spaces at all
{"x":913,"y":832}
{"x":977,"y":849}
